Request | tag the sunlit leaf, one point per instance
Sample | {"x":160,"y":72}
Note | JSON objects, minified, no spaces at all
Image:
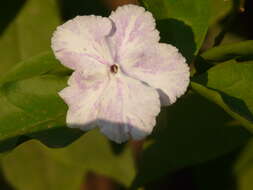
{"x":30,"y":105}
{"x":94,"y":152}
{"x":229,"y":85}
{"x":229,"y":51}
{"x":65,"y":168}
{"x":31,"y":167}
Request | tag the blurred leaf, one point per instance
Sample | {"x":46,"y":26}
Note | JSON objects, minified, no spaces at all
{"x":217,"y":174}
{"x":229,"y":85}
{"x":220,"y":9}
{"x":70,"y":9}
{"x":182,"y":23}
{"x":8,"y":11}
{"x":243,"y":168}
{"x":235,"y":171}
{"x":191,"y":131}
{"x":29,"y":33}
{"x":229,"y":51}
{"x":94,"y":152}
{"x":64,"y":168}
{"x":30,"y":104}
{"x":31,"y":167}
{"x":224,"y":14}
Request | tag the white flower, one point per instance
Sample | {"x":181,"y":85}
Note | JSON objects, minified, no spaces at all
{"x":122,"y":74}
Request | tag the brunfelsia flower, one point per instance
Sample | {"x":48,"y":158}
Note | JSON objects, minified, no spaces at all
{"x":122,"y":74}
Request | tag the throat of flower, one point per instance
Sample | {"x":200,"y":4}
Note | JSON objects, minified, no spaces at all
{"x":114,"y":68}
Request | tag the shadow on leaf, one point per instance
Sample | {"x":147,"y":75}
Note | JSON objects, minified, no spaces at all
{"x":70,"y":9}
{"x":56,"y":137}
{"x":235,"y":104}
{"x":189,"y":132}
{"x":178,"y":34}
{"x":61,"y":136}
{"x":9,"y":10}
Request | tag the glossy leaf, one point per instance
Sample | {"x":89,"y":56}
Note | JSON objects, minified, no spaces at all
{"x":192,"y":131}
{"x":183,"y":23}
{"x":229,"y":85}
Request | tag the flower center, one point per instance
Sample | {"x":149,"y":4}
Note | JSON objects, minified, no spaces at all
{"x":114,"y":68}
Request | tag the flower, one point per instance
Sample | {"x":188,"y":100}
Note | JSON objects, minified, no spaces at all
{"x":122,"y":74}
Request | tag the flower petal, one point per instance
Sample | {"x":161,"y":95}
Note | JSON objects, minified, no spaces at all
{"x":135,"y":29}
{"x":128,"y":109}
{"x":82,"y":36}
{"x":82,"y":97}
{"x":163,"y":68}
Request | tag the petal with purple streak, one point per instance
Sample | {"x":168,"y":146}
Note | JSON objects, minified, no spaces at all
{"x":127,"y":109}
{"x":163,"y":68}
{"x":82,"y":97}
{"x":135,"y":30}
{"x":82,"y":36}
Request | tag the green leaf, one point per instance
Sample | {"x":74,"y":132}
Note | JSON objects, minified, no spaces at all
{"x":235,"y":171}
{"x":31,"y":167}
{"x":44,"y":63}
{"x":191,"y":131}
{"x":94,"y":152}
{"x":229,"y":51}
{"x":243,"y":167}
{"x":223,"y":17}
{"x":182,"y":23}
{"x":217,"y":174}
{"x":29,"y":33}
{"x":229,"y":85}
{"x":30,"y":105}
{"x":219,"y":9}
{"x":47,"y":168}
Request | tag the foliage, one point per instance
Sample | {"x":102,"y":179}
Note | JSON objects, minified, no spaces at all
{"x":65,"y":168}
